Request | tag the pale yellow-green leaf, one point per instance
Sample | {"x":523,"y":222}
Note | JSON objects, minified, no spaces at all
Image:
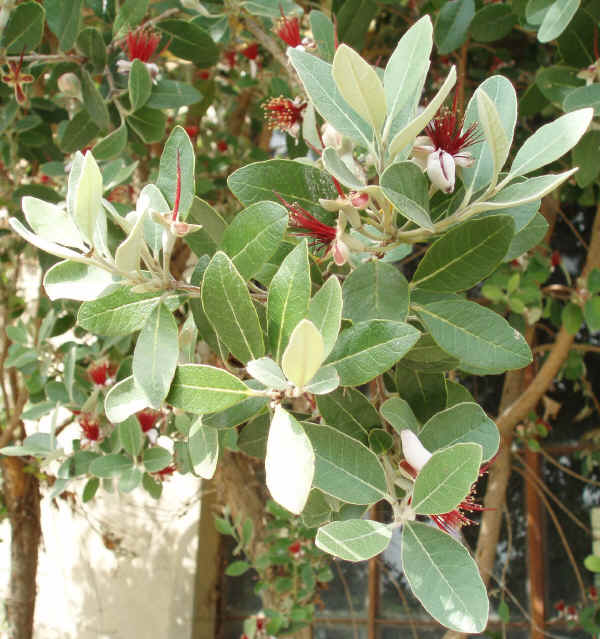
{"x":408,"y":134}
{"x":87,"y":206}
{"x":360,"y":86}
{"x":490,"y":122}
{"x":289,"y":462}
{"x":304,"y":354}
{"x":51,"y":222}
{"x":127,"y":256}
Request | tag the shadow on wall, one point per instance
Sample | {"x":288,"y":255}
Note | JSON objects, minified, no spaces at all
{"x":120,"y":567}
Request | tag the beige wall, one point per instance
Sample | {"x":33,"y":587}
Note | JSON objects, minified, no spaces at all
{"x":143,"y":588}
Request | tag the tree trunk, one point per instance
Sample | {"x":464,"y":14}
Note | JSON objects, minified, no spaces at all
{"x":22,"y":498}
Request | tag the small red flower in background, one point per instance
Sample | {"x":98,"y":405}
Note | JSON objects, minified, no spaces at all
{"x":416,"y":456}
{"x":167,"y":471}
{"x":203,"y":74}
{"x":230,"y":56}
{"x":44,"y":179}
{"x":555,"y":258}
{"x":288,"y":29}
{"x":147,"y":418}
{"x":14,"y":78}
{"x":285,"y":114}
{"x":90,"y":427}
{"x":251,"y":51}
{"x":102,"y":373}
{"x":261,"y":622}
{"x":559,"y":606}
{"x":593,"y":592}
{"x":222,"y":146}
{"x":295,"y":548}
{"x":192,"y":130}
{"x":141,"y":44}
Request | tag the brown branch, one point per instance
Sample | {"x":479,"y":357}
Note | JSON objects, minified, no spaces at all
{"x":568,"y":471}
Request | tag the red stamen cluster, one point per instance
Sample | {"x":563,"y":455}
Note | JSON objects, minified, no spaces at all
{"x":222,"y":146}
{"x":166,"y":472}
{"x":230,"y":57}
{"x":90,"y":427}
{"x":251,"y":51}
{"x":101,"y":372}
{"x":147,"y":418}
{"x":445,"y":131}
{"x":282,"y":113}
{"x":141,"y":44}
{"x":304,"y":224}
{"x":288,"y":30}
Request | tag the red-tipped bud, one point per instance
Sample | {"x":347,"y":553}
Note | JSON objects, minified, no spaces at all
{"x":294,"y":548}
{"x":251,"y":51}
{"x":359,"y":200}
{"x":192,"y":130}
{"x":147,"y":418}
{"x":555,"y":259}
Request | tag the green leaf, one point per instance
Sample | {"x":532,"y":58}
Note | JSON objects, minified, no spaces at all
{"x":444,"y":578}
{"x":76,"y":281}
{"x":452,"y":25}
{"x":155,"y":355}
{"x":178,"y":150}
{"x":353,"y":19}
{"x":238,"y":414}
{"x":325,"y":312}
{"x":572,"y":318}
{"x":316,"y":76}
{"x":584,"y":156}
{"x":131,"y":436}
{"x":424,"y":391}
{"x":64,"y":17}
{"x":557,"y":19}
{"x":51,"y":222}
{"x":23,"y":31}
{"x":203,"y":445}
{"x":237,"y":568}
{"x":94,"y":102}
{"x":288,"y":298}
{"x":370,"y":348}
{"x":502,"y":94}
{"x":304,"y":354}
{"x":80,"y":130}
{"x":112,"y":145}
{"x":118,"y":313}
{"x":124,"y":399}
{"x":354,"y":539}
{"x":350,"y":412}
{"x":189,"y":41}
{"x":253,"y":438}
{"x":91,"y":44}
{"x":323,"y":33}
{"x":294,"y":181}
{"x":130,"y":14}
{"x":344,"y":468}
{"x":156,"y":459}
{"x":399,"y":414}
{"x":317,"y":510}
{"x":87,"y":210}
{"x":380,"y":441}
{"x":228,"y":306}
{"x":359,"y":85}
{"x":427,"y":357}
{"x":465,"y":255}
{"x":289,"y":477}
{"x":492,"y":22}
{"x":140,"y":85}
{"x":110,"y":465}
{"x":148,"y":123}
{"x":592,"y":563}
{"x":479,"y":337}
{"x":556,"y":82}
{"x":90,"y":489}
{"x":446,"y":479}
{"x":205,"y":389}
{"x":130,"y":480}
{"x":588,"y":96}
{"x":551,"y":141}
{"x":152,"y":487}
{"x":404,"y":74}
{"x":527,"y":238}
{"x":463,"y":422}
{"x":405,"y":186}
{"x":375,"y":290}
{"x":254,"y":235}
{"x":334,"y":165}
{"x":205,"y":241}
{"x":591,"y":313}
{"x":170,"y":94}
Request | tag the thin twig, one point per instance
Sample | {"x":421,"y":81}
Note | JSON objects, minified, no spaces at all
{"x":568,"y":471}
{"x":575,"y":232}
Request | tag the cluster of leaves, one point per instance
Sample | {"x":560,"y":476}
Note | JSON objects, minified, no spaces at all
{"x":294,"y":334}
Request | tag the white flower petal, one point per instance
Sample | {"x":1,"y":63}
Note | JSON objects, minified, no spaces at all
{"x":414,"y":452}
{"x":441,"y":170}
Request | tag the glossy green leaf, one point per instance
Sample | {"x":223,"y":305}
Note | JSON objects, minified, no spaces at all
{"x":477,"y":336}
{"x":465,"y":255}
{"x":424,"y":391}
{"x":452,"y":25}
{"x":24,"y":28}
{"x":375,"y":290}
{"x":444,"y":578}
{"x":354,"y":539}
{"x":370,"y":348}
{"x":325,"y":312}
{"x":427,"y":357}
{"x":463,"y":422}
{"x":350,"y":412}
{"x":190,"y":42}
{"x":254,"y":235}
{"x":205,"y":389}
{"x":344,"y":468}
{"x":288,"y":298}
{"x":228,"y":306}
{"x":492,"y":22}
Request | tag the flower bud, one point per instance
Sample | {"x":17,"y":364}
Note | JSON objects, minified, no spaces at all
{"x":70,"y":86}
{"x":441,"y":170}
{"x":414,"y":452}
